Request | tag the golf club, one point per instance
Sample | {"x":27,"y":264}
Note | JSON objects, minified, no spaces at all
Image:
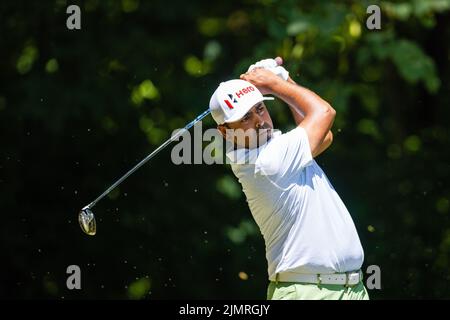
{"x":86,"y":217}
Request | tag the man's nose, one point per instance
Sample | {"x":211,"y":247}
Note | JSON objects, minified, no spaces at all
{"x":259,"y":122}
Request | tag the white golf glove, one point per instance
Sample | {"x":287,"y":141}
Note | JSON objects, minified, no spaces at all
{"x":272,"y":65}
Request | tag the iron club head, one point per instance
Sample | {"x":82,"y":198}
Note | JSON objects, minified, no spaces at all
{"x":86,"y":219}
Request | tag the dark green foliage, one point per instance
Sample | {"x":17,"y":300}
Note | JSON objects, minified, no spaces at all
{"x":79,"y":108}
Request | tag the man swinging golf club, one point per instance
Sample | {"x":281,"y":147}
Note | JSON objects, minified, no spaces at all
{"x":312,"y":246}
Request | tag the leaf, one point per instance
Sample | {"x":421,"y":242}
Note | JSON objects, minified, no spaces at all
{"x":297,"y":27}
{"x":414,"y":65}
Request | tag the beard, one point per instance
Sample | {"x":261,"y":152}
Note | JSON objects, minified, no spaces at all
{"x":252,"y":138}
{"x":264,"y":134}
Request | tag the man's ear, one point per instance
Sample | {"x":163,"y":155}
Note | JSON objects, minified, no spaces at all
{"x":223,"y":130}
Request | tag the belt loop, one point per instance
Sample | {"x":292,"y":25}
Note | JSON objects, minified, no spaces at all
{"x":276,"y":278}
{"x":346,"y":280}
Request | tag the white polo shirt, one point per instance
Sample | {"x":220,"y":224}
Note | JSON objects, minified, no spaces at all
{"x":305,"y":225}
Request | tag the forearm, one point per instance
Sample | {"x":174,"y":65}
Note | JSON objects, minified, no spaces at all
{"x":310,"y":111}
{"x":298,"y":118}
{"x":325,"y":144}
{"x":318,"y":114}
{"x":301,"y":101}
{"x":297,"y":113}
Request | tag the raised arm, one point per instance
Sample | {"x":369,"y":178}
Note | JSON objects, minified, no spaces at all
{"x":316,"y":116}
{"x":298,"y":116}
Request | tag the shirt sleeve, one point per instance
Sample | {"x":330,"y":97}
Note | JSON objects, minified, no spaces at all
{"x":288,"y":153}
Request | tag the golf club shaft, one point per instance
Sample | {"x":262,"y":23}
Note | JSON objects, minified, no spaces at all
{"x":151,"y":155}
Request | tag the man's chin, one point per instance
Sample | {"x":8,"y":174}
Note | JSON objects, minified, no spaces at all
{"x":258,"y":140}
{"x":267,"y":134}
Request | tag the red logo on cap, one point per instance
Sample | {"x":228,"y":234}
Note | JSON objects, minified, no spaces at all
{"x":232,"y":99}
{"x":228,"y":104}
{"x":243,"y":91}
{"x":239,"y":94}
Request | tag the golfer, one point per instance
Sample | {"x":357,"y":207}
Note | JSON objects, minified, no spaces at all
{"x":312,"y":247}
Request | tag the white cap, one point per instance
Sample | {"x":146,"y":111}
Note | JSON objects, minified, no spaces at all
{"x":233,"y":99}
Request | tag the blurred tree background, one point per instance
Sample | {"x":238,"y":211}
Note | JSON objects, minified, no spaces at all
{"x":79,"y":108}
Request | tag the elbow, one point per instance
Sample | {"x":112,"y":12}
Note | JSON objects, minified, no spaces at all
{"x":332,"y":112}
{"x":328,"y":114}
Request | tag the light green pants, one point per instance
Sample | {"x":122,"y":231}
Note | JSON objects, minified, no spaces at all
{"x":306,"y":291}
